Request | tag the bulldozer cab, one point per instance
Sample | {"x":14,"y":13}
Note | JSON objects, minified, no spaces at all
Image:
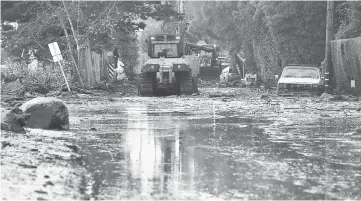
{"x":165,"y":45}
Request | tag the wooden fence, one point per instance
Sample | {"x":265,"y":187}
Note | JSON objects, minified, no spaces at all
{"x":92,"y":67}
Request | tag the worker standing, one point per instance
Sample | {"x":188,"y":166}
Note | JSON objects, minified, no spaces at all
{"x":120,"y":71}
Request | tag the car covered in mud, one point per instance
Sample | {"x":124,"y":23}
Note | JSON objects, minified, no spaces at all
{"x":299,"y":79}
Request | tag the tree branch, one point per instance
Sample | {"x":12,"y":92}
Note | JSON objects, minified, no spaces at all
{"x":72,"y":28}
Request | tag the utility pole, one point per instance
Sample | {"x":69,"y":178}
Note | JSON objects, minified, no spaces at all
{"x":329,"y":33}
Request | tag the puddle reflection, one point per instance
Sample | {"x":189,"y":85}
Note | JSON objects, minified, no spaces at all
{"x":150,"y":154}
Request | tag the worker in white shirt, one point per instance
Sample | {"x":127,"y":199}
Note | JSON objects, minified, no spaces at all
{"x":119,"y":71}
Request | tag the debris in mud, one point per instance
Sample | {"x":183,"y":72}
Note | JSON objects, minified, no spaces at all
{"x":265,"y":96}
{"x":14,"y":120}
{"x":73,"y":147}
{"x":207,"y":83}
{"x":10,"y":98}
{"x":48,"y":183}
{"x":5,"y":144}
{"x":325,"y":96}
{"x":20,"y":88}
{"x":14,"y":88}
{"x":221,"y":95}
{"x":46,"y":113}
{"x":234,"y":83}
{"x":226,"y":100}
{"x":330,"y":97}
{"x":27,"y":166}
{"x":41,"y":192}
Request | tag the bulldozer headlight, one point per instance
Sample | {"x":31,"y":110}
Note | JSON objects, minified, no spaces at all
{"x":177,"y":37}
{"x":152,"y":38}
{"x":152,"y":66}
{"x":175,"y":66}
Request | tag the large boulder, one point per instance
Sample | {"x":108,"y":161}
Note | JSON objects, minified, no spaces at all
{"x":46,"y":113}
{"x":14,"y":120}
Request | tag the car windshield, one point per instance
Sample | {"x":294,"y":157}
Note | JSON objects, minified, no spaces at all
{"x":300,"y":72}
{"x":171,"y":49}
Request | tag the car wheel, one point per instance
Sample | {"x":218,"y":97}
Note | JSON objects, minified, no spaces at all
{"x":320,"y":90}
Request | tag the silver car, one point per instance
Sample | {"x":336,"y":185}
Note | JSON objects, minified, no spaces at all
{"x":298,"y":79}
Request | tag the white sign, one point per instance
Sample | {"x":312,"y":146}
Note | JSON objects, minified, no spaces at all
{"x":353,"y":84}
{"x":55,"y":51}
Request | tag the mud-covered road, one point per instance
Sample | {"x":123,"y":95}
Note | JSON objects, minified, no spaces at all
{"x":236,"y":146}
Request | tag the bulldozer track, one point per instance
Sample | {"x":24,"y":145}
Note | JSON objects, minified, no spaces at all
{"x":145,"y":85}
{"x":186,"y":83}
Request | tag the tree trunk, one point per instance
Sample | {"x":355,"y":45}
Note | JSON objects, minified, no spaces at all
{"x":69,"y":47}
{"x":72,"y":28}
{"x":76,"y":42}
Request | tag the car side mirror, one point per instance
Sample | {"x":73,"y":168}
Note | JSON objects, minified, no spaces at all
{"x":276,"y":77}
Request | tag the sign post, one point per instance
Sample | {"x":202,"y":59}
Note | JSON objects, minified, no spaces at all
{"x":243,"y":62}
{"x":55,"y":52}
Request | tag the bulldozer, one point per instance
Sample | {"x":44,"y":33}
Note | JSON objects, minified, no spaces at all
{"x":172,"y":67}
{"x":210,"y":68}
{"x":167,"y":71}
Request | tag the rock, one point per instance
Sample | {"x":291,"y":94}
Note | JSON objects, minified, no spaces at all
{"x":358,"y":109}
{"x":14,"y":120}
{"x":46,"y":113}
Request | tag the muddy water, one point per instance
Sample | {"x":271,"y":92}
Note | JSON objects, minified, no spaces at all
{"x":142,"y":152}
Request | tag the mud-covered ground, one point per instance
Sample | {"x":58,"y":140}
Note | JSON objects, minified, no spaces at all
{"x":227,"y":143}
